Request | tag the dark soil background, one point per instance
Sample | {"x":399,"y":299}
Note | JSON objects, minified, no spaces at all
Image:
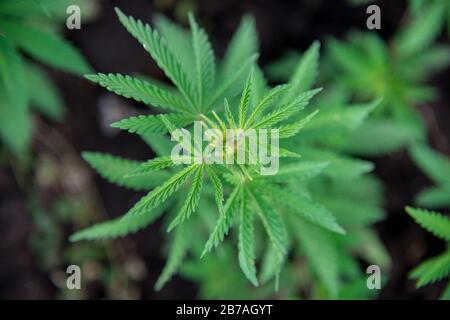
{"x":282,"y":25}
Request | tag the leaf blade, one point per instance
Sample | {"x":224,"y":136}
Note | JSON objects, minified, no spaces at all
{"x":159,"y":51}
{"x":192,"y":199}
{"x":139,"y":90}
{"x":246,"y":243}
{"x":204,"y":61}
{"x":432,"y":221}
{"x":114,"y":169}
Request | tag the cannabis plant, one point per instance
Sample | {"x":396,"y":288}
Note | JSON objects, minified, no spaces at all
{"x":436,"y":268}
{"x":369,"y":68}
{"x":323,"y":264}
{"x":30,"y":27}
{"x":205,"y":202}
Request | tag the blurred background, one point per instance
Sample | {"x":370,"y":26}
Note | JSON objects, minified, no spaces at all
{"x":43,"y":203}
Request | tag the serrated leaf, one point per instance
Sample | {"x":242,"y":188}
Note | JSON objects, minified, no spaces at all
{"x":265,"y":102}
{"x":140,"y":90}
{"x":193,"y":197}
{"x":119,"y":227}
{"x":432,"y":221}
{"x":153,"y":165}
{"x":274,"y":225}
{"x":159,"y":51}
{"x":143,"y":124}
{"x":291,"y":129}
{"x":246,"y":242}
{"x":204,"y":62}
{"x":228,"y":114}
{"x":432,"y":270}
{"x":308,"y":209}
{"x":218,"y":188}
{"x":179,"y":42}
{"x":178,"y":249}
{"x":225,"y":221}
{"x":245,"y":100}
{"x":164,"y":191}
{"x":286,"y":110}
{"x":114,"y":169}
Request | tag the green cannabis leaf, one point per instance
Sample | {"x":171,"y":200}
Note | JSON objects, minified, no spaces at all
{"x":437,"y":167}
{"x":436,"y":268}
{"x":205,"y":202}
{"x":23,"y":85}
